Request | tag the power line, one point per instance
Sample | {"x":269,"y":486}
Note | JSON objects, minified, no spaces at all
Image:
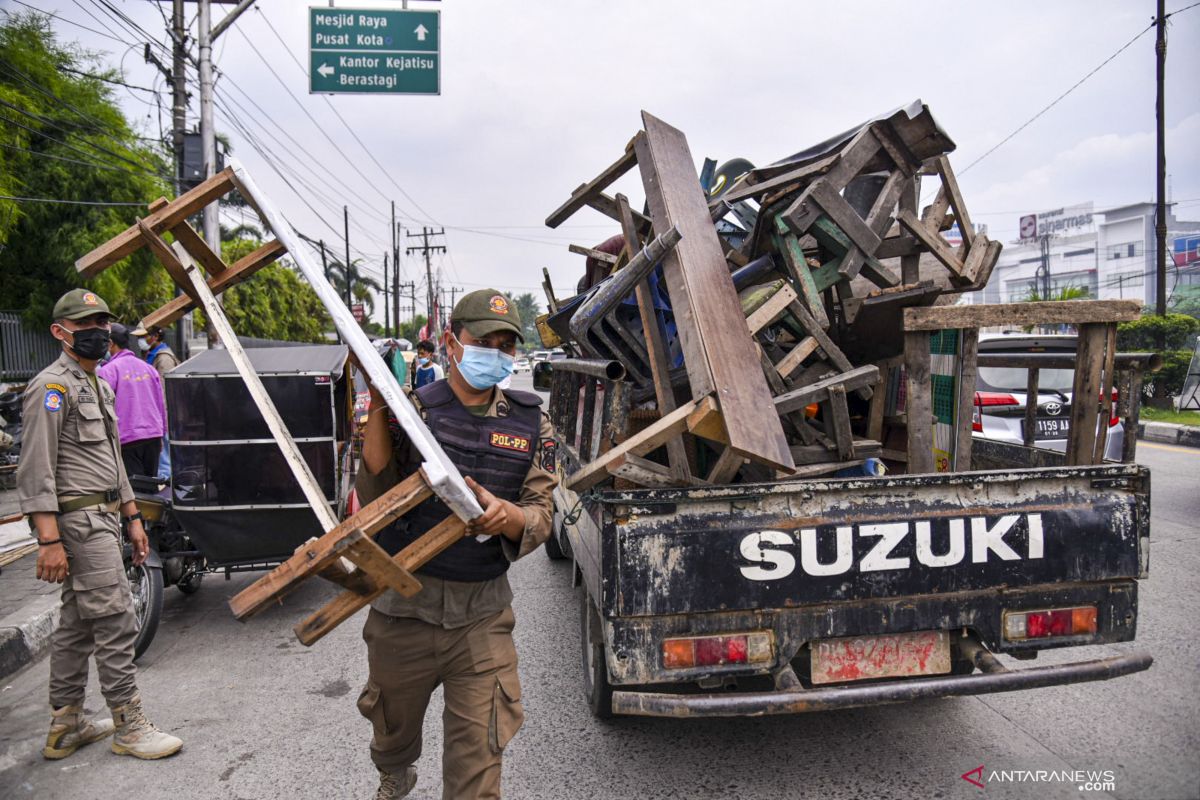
{"x":77,"y":150}
{"x":68,"y":202}
{"x":69,"y":21}
{"x":40,"y":154}
{"x":107,"y":80}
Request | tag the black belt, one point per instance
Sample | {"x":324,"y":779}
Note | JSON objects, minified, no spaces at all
{"x":94,"y":499}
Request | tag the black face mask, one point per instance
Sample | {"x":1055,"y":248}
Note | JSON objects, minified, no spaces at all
{"x":91,"y":343}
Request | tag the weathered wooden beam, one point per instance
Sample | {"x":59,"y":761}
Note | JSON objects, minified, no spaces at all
{"x":175,"y":212}
{"x":315,"y":554}
{"x":599,"y":255}
{"x":241,"y":270}
{"x":1069,"y":312}
{"x":797,"y":399}
{"x":579,"y":198}
{"x":641,"y":471}
{"x":770,"y":310}
{"x":967,"y":373}
{"x":918,"y":401}
{"x":705,"y":302}
{"x":1085,"y":397}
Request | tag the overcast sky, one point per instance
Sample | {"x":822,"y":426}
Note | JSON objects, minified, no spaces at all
{"x":539,"y":96}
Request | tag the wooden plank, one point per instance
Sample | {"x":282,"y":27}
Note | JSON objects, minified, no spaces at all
{"x":178,"y":210}
{"x":656,"y":346}
{"x":374,"y":561}
{"x":599,"y":255}
{"x":934,"y":215}
{"x":845,"y":217}
{"x":349,"y":603}
{"x":938,"y":246}
{"x":876,"y":408}
{"x":652,"y":437}
{"x":1069,"y":312}
{"x":166,"y":256}
{"x":241,"y":270}
{"x":967,"y":374}
{"x":608,"y":207}
{"x":950,"y":183}
{"x":706,"y":305}
{"x":897,"y":149}
{"x":918,"y":402}
{"x":641,"y":471}
{"x":1133,"y":391}
{"x":819,"y":454}
{"x":818,"y":392}
{"x":1085,"y":397}
{"x":910,"y":263}
{"x":791,"y":362}
{"x":788,"y":180}
{"x":832,"y":351}
{"x":839,"y":414}
{"x":312,"y":555}
{"x":580,"y":196}
{"x":725,"y":468}
{"x":1106,"y":387}
{"x":198,"y":249}
{"x":769,"y":311}
{"x":797,"y":267}
{"x":1032,"y":377}
{"x":976,"y":255}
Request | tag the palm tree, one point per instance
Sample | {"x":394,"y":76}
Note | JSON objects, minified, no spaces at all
{"x":361,"y":285}
{"x":240,"y":232}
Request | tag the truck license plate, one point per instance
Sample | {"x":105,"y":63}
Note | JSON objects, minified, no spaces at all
{"x":894,"y":655}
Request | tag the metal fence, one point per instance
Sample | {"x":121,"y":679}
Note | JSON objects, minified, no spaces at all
{"x":24,"y":352}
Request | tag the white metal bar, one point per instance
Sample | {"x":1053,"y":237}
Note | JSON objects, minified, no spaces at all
{"x":441,"y":475}
{"x":291,"y":453}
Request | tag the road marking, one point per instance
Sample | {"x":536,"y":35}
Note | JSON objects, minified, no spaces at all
{"x":1174,"y":448}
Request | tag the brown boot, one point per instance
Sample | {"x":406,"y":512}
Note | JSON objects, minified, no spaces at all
{"x":136,"y":736}
{"x":394,"y":785}
{"x":71,"y":729}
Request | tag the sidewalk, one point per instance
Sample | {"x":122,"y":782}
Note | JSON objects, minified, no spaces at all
{"x":1169,"y":433}
{"x":28,"y":607}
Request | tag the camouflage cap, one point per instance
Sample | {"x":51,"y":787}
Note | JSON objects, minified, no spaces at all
{"x":486,"y":311}
{"x":80,"y":303}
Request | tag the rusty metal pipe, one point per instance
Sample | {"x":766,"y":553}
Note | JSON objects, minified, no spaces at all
{"x":595,"y":367}
{"x":617,"y":287}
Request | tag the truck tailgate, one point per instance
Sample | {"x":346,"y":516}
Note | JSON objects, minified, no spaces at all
{"x":781,"y":545}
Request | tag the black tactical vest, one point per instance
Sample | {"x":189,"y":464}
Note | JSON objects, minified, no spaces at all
{"x":495,"y":451}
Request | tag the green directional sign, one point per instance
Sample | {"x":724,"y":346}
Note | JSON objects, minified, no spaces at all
{"x":373,"y":51}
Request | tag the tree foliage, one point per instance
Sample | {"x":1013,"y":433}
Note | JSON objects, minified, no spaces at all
{"x":1178,"y":332}
{"x":527,"y":306}
{"x":62,"y":136}
{"x":275,"y":303}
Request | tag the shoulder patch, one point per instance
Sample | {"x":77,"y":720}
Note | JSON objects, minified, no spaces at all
{"x":58,"y":387}
{"x":53,"y":400}
{"x":510,"y":441}
{"x":549,"y":458}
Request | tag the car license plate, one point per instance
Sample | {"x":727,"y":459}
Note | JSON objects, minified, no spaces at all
{"x":1051,"y":428}
{"x":894,"y":655}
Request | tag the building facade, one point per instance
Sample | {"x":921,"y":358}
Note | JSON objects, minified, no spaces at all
{"x":1109,"y":254}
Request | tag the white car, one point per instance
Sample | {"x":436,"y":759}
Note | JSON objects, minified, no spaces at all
{"x":539,"y":355}
{"x":1001,"y":396}
{"x":522,"y":364}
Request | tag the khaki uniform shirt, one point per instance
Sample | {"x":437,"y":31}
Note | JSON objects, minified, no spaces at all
{"x":453,"y":604}
{"x":69,"y":443}
{"x":164,"y":362}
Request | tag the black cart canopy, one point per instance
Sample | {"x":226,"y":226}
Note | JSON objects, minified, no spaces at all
{"x":314,"y":359}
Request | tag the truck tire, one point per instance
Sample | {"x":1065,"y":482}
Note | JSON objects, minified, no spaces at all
{"x":554,"y":550}
{"x":596,"y":688}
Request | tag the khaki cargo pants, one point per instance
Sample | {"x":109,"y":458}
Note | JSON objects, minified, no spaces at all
{"x":476,"y":665}
{"x":96,"y":615}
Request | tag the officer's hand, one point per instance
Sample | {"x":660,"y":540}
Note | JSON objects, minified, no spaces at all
{"x":495,"y":515}
{"x":141,"y":545}
{"x":52,"y":564}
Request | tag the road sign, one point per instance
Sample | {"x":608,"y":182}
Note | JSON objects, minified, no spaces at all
{"x":374,"y":51}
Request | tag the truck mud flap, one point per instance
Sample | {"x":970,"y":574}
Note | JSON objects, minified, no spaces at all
{"x":792,"y":698}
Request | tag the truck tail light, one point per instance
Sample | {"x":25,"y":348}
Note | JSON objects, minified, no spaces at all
{"x":713,"y":651}
{"x":1048,"y":623}
{"x":989,"y":399}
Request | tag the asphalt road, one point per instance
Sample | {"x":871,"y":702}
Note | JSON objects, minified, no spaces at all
{"x":264,"y":717}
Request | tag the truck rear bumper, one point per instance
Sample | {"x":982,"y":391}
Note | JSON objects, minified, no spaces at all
{"x":794,"y":699}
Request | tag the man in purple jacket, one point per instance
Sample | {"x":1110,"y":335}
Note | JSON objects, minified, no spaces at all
{"x":141,"y":417}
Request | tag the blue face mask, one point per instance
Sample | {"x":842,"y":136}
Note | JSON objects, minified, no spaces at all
{"x":484,"y":367}
{"x":422,"y":361}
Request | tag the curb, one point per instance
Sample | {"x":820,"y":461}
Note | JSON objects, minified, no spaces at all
{"x":25,"y":635}
{"x":1169,"y":433}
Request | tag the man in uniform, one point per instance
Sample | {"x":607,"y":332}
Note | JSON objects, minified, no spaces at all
{"x":72,"y":484}
{"x":457,"y":631}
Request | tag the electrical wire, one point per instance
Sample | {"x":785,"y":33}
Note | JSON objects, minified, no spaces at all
{"x":68,"y":202}
{"x":69,"y":21}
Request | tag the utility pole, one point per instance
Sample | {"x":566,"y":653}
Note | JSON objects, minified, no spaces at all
{"x":1160,"y":222}
{"x":178,"y":88}
{"x":387,"y":324}
{"x":395,"y":272}
{"x":208,"y":134}
{"x":346,"y":263}
{"x":425,"y":249}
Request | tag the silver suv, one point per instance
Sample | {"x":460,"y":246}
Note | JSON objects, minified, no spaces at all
{"x":1000,"y":396}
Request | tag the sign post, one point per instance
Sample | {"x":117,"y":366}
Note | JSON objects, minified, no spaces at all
{"x":374,"y":51}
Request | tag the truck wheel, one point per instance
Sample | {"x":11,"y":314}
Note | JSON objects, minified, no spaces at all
{"x":553,"y":549}
{"x":597,"y":690}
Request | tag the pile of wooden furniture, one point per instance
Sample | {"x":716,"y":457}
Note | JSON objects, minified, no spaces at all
{"x":758,"y":329}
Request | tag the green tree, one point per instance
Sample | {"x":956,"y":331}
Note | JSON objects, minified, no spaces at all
{"x":362,"y":286}
{"x":527,"y":306}
{"x":63,"y":137}
{"x":410,"y":329}
{"x":1178,"y":332}
{"x":274,"y":303}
